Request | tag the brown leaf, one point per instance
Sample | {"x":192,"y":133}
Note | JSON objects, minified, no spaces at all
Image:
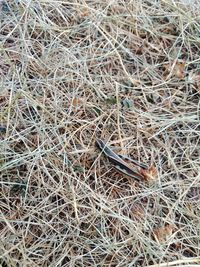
{"x":85,"y":12}
{"x":77,"y":101}
{"x":179,"y":70}
{"x":150,"y":174}
{"x":162,"y":234}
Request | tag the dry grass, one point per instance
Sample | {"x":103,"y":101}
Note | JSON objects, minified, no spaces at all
{"x":129,"y":73}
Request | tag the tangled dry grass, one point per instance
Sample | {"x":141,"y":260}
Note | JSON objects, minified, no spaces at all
{"x":125,"y":71}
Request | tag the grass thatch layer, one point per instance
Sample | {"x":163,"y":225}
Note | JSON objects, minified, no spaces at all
{"x":129,"y":73}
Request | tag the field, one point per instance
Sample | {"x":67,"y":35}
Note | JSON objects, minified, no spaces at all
{"x":127,"y":72}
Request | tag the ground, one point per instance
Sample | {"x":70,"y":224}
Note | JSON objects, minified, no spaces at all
{"x":126,"y":72}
